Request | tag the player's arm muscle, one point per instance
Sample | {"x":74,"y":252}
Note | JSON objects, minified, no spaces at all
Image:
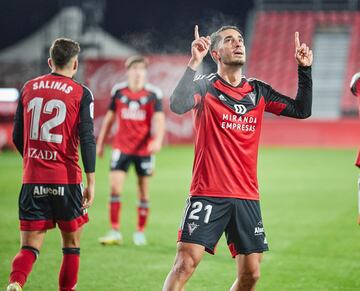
{"x":18,"y":131}
{"x":182,"y":99}
{"x":86,"y":132}
{"x":106,"y":126}
{"x":159,"y":126}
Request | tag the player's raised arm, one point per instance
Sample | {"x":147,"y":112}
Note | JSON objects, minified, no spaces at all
{"x":303,"y":54}
{"x":199,"y":49}
{"x":300,"y":107}
{"x":182,"y":100}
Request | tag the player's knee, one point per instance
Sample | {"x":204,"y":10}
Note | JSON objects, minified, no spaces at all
{"x":114,"y":189}
{"x":185,"y":265}
{"x":250,"y":277}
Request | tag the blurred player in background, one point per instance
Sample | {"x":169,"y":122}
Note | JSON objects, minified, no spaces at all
{"x":53,"y":113}
{"x":224,"y":196}
{"x":355,"y":89}
{"x":137,"y":107}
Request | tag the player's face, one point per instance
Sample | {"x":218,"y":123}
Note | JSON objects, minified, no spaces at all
{"x":137,"y":73}
{"x":231,"y":48}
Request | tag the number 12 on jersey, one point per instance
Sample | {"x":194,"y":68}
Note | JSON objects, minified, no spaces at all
{"x":36,"y":108}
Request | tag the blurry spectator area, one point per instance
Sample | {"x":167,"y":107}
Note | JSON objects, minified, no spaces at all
{"x":335,"y":39}
{"x":332,"y":30}
{"x":28,"y":58}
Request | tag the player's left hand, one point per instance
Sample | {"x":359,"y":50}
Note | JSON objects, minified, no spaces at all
{"x":303,"y":54}
{"x":88,"y":196}
{"x":154,"y":147}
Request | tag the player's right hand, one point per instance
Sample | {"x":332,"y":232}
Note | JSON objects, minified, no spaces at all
{"x":199,"y":48}
{"x":100,"y":150}
{"x":88,"y":196}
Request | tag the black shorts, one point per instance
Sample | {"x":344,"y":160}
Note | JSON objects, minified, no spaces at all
{"x":207,"y":218}
{"x":41,"y":206}
{"x":144,"y":166}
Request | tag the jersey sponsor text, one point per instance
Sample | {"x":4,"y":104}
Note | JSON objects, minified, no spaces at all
{"x":236,"y":122}
{"x":41,"y":191}
{"x":34,"y":153}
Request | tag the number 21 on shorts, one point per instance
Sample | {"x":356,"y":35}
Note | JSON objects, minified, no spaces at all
{"x":196,"y":207}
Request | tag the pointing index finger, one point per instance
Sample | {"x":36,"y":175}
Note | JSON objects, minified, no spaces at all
{"x":297,"y":40}
{"x":196,"y":32}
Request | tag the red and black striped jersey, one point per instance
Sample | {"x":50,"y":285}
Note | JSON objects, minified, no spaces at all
{"x":53,"y":112}
{"x":228,"y":123}
{"x":134,"y":112}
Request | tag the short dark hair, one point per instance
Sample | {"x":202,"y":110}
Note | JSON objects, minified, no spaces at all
{"x":135,"y":59}
{"x":215,"y":37}
{"x":63,"y":50}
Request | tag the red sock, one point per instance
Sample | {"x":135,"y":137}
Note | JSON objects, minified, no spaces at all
{"x":143,"y":213}
{"x":115,"y":208}
{"x":22,"y":264}
{"x":69,"y":269}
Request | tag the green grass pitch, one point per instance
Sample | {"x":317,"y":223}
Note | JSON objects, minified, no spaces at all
{"x":309,"y":206}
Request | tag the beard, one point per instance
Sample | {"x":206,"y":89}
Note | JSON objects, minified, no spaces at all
{"x":233,"y":62}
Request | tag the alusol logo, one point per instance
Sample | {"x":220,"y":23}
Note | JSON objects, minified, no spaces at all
{"x":44,"y":191}
{"x":240,"y":109}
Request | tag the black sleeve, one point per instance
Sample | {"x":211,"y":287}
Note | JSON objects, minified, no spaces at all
{"x":182,"y":99}
{"x":112,"y":103}
{"x":86,"y":131}
{"x":300,"y":107}
{"x":18,"y":130}
{"x":158,"y":106}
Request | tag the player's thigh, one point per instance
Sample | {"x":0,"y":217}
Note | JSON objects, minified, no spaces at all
{"x":120,"y":161}
{"x":68,"y":210}
{"x":33,"y":239}
{"x":71,"y":239}
{"x":204,"y":221}
{"x":144,"y":166}
{"x":245,"y":232}
{"x":35,"y":209}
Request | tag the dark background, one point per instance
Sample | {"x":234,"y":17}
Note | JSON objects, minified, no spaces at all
{"x":148,"y":26}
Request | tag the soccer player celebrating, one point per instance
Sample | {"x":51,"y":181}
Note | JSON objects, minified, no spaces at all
{"x":355,"y":89}
{"x":137,"y":107}
{"x":228,"y":110}
{"x":53,"y":113}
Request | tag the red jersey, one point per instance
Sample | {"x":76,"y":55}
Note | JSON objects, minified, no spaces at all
{"x":134,"y":112}
{"x":355,"y":89}
{"x":52,"y":107}
{"x":228,"y":122}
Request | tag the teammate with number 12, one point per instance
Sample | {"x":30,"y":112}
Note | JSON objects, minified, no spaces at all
{"x":228,"y":110}
{"x":54,"y":112}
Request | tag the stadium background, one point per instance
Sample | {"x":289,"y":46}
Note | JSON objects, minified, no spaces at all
{"x":306,"y":173}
